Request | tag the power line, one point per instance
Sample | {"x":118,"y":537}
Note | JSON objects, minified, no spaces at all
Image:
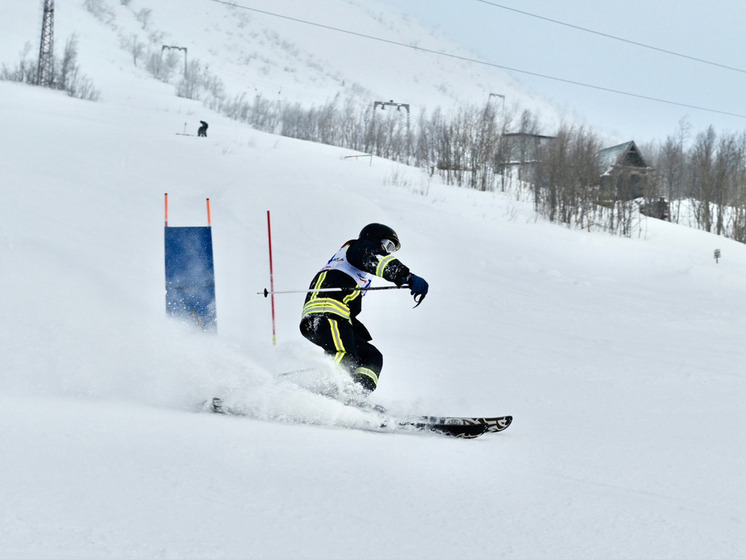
{"x":614,"y":37}
{"x":481,"y":62}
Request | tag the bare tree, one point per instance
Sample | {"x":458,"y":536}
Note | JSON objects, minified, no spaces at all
{"x":135,"y":47}
{"x":702,"y":177}
{"x":566,"y":180}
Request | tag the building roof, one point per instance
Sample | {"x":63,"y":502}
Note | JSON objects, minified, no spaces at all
{"x":622,"y":155}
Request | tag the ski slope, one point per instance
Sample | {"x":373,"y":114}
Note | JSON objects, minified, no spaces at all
{"x":621,"y":359}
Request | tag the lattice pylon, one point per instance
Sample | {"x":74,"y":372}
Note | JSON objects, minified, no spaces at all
{"x":45,"y":71}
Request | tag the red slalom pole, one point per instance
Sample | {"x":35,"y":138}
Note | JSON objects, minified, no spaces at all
{"x":271,"y":281}
{"x":209,"y":218}
{"x":166,"y":196}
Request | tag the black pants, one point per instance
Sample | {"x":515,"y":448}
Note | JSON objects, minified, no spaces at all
{"x":350,"y":347}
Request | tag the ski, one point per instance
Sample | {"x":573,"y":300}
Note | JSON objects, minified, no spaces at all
{"x":462,"y":427}
{"x":458,"y":427}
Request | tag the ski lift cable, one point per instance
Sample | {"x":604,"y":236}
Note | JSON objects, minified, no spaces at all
{"x":484,"y":63}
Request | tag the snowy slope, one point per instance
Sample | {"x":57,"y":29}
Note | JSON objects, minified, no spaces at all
{"x":621,"y":359}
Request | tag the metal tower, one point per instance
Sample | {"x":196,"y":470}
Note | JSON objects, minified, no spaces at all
{"x":45,"y":71}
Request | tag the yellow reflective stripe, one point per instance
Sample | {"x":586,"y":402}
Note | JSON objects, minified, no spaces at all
{"x":318,"y":285}
{"x":385,"y":261}
{"x":337,"y":339}
{"x":327,"y":305}
{"x":352,"y":296}
{"x":366,"y":372}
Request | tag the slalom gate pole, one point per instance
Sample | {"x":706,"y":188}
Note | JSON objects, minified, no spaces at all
{"x":166,"y":196}
{"x":209,"y":218}
{"x":271,"y":282}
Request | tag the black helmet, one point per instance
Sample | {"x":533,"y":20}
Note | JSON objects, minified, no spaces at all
{"x":377,"y":233}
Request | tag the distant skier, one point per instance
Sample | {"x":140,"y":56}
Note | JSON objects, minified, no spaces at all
{"x":202,"y":131}
{"x":329,"y":318}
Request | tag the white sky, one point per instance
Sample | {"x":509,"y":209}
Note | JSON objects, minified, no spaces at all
{"x":696,"y":28}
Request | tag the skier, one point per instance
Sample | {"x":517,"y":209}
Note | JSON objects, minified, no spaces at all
{"x":202,"y":130}
{"x":329,"y":318}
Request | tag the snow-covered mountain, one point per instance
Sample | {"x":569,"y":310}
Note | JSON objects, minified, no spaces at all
{"x":621,"y":359}
{"x":286,"y":50}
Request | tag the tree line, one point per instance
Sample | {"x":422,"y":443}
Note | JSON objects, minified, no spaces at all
{"x":705,"y":179}
{"x":66,"y":72}
{"x":702,"y":178}
{"x":482,"y":147}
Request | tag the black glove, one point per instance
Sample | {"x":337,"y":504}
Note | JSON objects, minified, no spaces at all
{"x":417,"y":287}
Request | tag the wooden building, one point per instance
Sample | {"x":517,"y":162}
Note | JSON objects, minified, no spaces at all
{"x":624,"y":173}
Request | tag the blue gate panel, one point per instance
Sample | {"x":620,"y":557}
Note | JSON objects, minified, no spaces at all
{"x":190,"y":275}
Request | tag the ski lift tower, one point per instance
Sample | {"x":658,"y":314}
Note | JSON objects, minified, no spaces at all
{"x":45,"y":70}
{"x":173,"y":47}
{"x":392,"y":103}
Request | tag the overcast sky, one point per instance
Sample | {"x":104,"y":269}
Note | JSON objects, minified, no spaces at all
{"x":710,"y":31}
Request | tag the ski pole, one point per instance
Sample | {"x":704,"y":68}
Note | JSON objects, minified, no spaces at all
{"x":268,"y":292}
{"x":417,"y":298}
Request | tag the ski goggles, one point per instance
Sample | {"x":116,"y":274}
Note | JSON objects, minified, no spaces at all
{"x":388,"y":245}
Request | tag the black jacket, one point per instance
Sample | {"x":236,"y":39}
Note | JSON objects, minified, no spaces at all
{"x":350,"y":269}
